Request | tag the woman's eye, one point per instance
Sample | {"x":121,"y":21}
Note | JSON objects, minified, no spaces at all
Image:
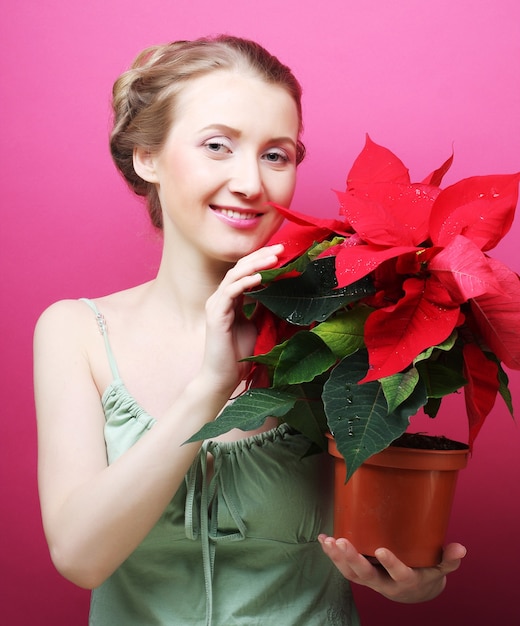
{"x":217,"y":146}
{"x":276,"y":156}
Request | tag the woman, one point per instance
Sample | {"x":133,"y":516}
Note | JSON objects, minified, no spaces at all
{"x":235,"y":531}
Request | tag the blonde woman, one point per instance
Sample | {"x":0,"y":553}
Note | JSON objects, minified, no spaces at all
{"x":235,"y":531}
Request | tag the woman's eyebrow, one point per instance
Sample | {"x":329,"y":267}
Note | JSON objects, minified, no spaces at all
{"x":229,"y":130}
{"x":223,"y":128}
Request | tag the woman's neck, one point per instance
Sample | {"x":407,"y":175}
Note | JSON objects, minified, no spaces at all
{"x":185,"y":281}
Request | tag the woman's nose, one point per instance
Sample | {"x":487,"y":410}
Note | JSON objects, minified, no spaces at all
{"x":246,"y":178}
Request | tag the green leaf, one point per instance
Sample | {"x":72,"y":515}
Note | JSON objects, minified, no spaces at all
{"x":445,"y":346}
{"x":318,"y":248}
{"x":416,"y":400}
{"x":440,"y":379}
{"x":304,"y":357}
{"x":248,"y":309}
{"x":308,"y":414}
{"x":343,"y":332}
{"x":431,"y":408}
{"x":270,"y":358}
{"x":503,"y":389}
{"x":300,"y":263}
{"x":399,"y":387}
{"x":313,"y":296}
{"x":357,"y":415}
{"x":248,"y":412}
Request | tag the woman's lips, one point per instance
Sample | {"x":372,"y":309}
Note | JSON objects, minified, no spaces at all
{"x":236,"y":217}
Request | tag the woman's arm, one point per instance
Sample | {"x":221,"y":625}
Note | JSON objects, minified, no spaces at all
{"x":94,"y":514}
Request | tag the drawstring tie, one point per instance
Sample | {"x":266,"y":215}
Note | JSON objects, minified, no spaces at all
{"x":201,"y":516}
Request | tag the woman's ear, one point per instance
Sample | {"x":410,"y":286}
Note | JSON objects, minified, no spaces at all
{"x":144,"y":165}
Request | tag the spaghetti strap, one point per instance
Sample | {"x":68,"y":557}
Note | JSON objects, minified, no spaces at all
{"x":102,"y":325}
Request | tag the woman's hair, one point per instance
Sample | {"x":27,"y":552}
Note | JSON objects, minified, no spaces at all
{"x":144,"y":97}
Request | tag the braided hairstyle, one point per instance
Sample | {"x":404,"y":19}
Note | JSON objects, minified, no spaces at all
{"x":144,"y":97}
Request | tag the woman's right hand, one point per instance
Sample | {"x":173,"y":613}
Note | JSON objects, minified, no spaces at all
{"x":230,"y":337}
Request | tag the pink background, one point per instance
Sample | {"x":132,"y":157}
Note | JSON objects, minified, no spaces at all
{"x":418,"y":76}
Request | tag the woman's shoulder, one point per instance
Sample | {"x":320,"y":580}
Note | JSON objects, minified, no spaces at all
{"x":69,"y":313}
{"x":66,"y":323}
{"x":63,"y":332}
{"x":62,"y":315}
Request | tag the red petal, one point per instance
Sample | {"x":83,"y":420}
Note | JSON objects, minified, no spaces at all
{"x":481,"y":391}
{"x":389,"y":213}
{"x":333,"y":225}
{"x":267,"y":327}
{"x":416,"y":262}
{"x":258,"y":376}
{"x":354,"y":262}
{"x":481,"y":208}
{"x":435,"y":178}
{"x":297,"y":238}
{"x":376,"y":164}
{"x":271,"y":330}
{"x":388,"y":280}
{"x":394,"y":336}
{"x":464,"y":270}
{"x":498,"y":316}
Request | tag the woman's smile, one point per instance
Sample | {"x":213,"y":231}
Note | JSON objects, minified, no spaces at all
{"x":237,"y":217}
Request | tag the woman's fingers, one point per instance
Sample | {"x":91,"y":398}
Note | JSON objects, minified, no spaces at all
{"x":347,"y":559}
{"x":392,"y":578}
{"x":246,"y":270}
{"x":229,"y":336}
{"x":243,"y":276}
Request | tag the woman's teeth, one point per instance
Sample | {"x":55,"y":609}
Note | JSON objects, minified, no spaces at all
{"x":237,"y":215}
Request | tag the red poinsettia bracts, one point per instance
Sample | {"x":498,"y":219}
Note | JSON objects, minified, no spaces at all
{"x":301,"y":231}
{"x":425,"y":248}
{"x":458,"y":224}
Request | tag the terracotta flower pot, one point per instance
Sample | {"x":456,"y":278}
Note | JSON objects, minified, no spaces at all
{"x":399,"y":499}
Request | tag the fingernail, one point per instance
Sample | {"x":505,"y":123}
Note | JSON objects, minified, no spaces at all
{"x":342,"y":544}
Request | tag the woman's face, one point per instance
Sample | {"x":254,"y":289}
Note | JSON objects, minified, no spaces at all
{"x":231,"y":150}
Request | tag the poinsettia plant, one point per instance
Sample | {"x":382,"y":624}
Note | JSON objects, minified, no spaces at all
{"x":389,"y":309}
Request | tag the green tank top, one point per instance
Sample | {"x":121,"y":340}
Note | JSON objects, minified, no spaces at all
{"x":239,"y":549}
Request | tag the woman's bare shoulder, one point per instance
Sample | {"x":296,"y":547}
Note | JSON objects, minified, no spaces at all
{"x":69,"y":314}
{"x":62,"y":315}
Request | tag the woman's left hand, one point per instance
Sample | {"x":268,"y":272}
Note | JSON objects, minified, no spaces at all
{"x":393,"y":579}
